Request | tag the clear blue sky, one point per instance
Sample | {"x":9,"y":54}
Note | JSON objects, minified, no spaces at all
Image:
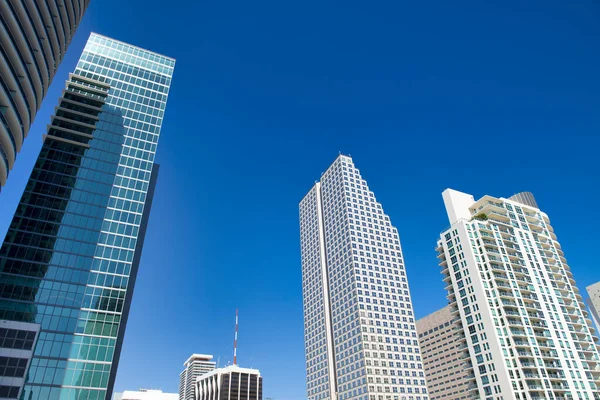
{"x":483,"y":96}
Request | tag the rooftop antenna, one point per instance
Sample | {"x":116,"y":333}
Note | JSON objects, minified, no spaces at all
{"x":235,"y":338}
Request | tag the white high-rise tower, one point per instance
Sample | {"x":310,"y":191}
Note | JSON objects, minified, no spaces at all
{"x":359,"y":329}
{"x":526,"y":332}
{"x":195,"y":366}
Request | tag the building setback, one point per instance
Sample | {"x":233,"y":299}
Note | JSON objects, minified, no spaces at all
{"x":34,"y":36}
{"x":71,"y":255}
{"x":441,"y":350}
{"x":525,"y":329}
{"x":230,"y":383}
{"x":359,"y":328}
{"x":195,"y":366}
{"x":594,"y":302}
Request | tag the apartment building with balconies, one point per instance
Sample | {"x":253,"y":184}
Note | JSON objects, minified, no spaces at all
{"x":525,"y":328}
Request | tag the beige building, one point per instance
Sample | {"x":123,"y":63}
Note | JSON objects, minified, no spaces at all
{"x":594,"y":302}
{"x":442,"y":356}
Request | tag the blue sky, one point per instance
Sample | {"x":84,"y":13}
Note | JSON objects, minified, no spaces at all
{"x":489,"y":97}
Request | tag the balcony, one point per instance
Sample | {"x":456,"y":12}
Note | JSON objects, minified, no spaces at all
{"x":545,"y":334}
{"x":523,"y":353}
{"x":535,"y":315}
{"x":530,"y":375}
{"x":557,"y":375}
{"x":532,"y":385}
{"x":552,"y":365}
{"x":518,"y":332}
{"x":547,"y":344}
{"x":549,"y":354}
{"x":560,"y":387}
{"x":527,"y":363}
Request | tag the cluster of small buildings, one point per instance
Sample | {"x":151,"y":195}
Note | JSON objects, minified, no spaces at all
{"x":202,"y":380}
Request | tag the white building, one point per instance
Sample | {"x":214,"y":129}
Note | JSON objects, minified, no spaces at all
{"x":145,"y":394}
{"x":195,"y":366}
{"x":230,"y":383}
{"x":525,"y":326}
{"x":359,"y":328}
{"x":594,"y":302}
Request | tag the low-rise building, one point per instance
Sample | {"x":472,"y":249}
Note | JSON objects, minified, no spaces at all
{"x":231,"y":382}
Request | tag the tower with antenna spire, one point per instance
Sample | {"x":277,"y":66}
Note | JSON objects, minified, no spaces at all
{"x":232,"y":381}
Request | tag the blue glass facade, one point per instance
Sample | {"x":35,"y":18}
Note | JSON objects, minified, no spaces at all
{"x":70,"y":257}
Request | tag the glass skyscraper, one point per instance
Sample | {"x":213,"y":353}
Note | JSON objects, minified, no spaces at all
{"x":359,"y":329}
{"x":70,"y":258}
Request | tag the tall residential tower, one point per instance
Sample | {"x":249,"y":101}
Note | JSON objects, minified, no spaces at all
{"x":70,"y":258}
{"x":359,"y":328}
{"x":525,"y":330}
{"x":34,"y":36}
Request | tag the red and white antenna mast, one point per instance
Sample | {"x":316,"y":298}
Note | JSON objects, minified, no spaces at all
{"x":235,"y":337}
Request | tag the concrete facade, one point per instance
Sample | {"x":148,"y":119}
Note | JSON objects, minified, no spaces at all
{"x":594,"y":302}
{"x":359,"y":329}
{"x":441,"y":350}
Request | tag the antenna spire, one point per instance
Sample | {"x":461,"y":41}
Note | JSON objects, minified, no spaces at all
{"x":235,"y":337}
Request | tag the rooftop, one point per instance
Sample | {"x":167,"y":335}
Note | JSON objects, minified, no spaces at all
{"x":198,"y":357}
{"x":227,"y":370}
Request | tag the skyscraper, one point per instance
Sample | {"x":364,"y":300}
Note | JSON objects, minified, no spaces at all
{"x":441,"y":349}
{"x":34,"y":36}
{"x":71,"y":255}
{"x":195,"y":366}
{"x":594,"y":302}
{"x":525,"y":329}
{"x":359,"y":328}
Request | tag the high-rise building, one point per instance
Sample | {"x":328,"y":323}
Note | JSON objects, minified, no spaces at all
{"x":594,"y":302}
{"x":441,"y":350}
{"x":525,"y":329}
{"x":359,"y":329}
{"x":195,"y":366}
{"x":145,"y":394}
{"x":72,"y":252}
{"x":34,"y":36}
{"x":230,"y":383}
